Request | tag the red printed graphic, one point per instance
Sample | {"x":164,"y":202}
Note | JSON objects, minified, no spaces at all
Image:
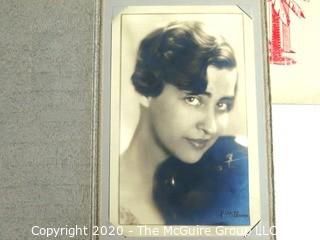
{"x":280,"y":51}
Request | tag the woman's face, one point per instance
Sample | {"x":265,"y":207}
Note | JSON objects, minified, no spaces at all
{"x":186,"y":125}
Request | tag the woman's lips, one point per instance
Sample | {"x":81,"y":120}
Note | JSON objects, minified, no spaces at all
{"x":198,"y":144}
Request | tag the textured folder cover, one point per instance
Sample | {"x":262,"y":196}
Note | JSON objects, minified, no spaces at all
{"x":46,"y":115}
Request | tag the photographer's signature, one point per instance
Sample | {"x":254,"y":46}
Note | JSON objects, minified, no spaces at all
{"x":230,"y":213}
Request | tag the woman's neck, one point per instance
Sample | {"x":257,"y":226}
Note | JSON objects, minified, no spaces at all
{"x":137,"y":168}
{"x":144,"y":151}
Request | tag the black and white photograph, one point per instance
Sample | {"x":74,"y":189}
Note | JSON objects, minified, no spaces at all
{"x":183,"y":118}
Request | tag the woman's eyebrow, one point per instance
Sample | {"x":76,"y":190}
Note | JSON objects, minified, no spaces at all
{"x":207,"y":94}
{"x":227,"y":98}
{"x":199,"y":93}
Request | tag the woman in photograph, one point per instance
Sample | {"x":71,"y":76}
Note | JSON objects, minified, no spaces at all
{"x":175,"y":167}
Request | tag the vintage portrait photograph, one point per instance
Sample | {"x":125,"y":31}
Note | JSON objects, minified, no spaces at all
{"x":183,"y":118}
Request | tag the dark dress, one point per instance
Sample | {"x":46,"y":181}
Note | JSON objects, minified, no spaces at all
{"x":213,"y":191}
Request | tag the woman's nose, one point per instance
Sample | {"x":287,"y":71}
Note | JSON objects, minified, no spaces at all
{"x":208,"y":124}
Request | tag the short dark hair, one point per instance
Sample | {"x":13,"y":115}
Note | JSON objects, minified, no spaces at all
{"x":179,"y":54}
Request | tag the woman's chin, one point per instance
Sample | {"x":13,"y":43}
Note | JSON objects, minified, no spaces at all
{"x":190,"y":158}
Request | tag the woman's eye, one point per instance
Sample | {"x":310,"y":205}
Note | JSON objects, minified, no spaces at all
{"x":223,"y":107}
{"x":192,"y":100}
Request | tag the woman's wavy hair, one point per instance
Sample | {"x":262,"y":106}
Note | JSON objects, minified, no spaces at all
{"x":179,"y":54}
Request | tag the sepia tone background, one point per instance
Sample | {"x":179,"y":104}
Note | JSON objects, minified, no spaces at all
{"x":46,"y":82}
